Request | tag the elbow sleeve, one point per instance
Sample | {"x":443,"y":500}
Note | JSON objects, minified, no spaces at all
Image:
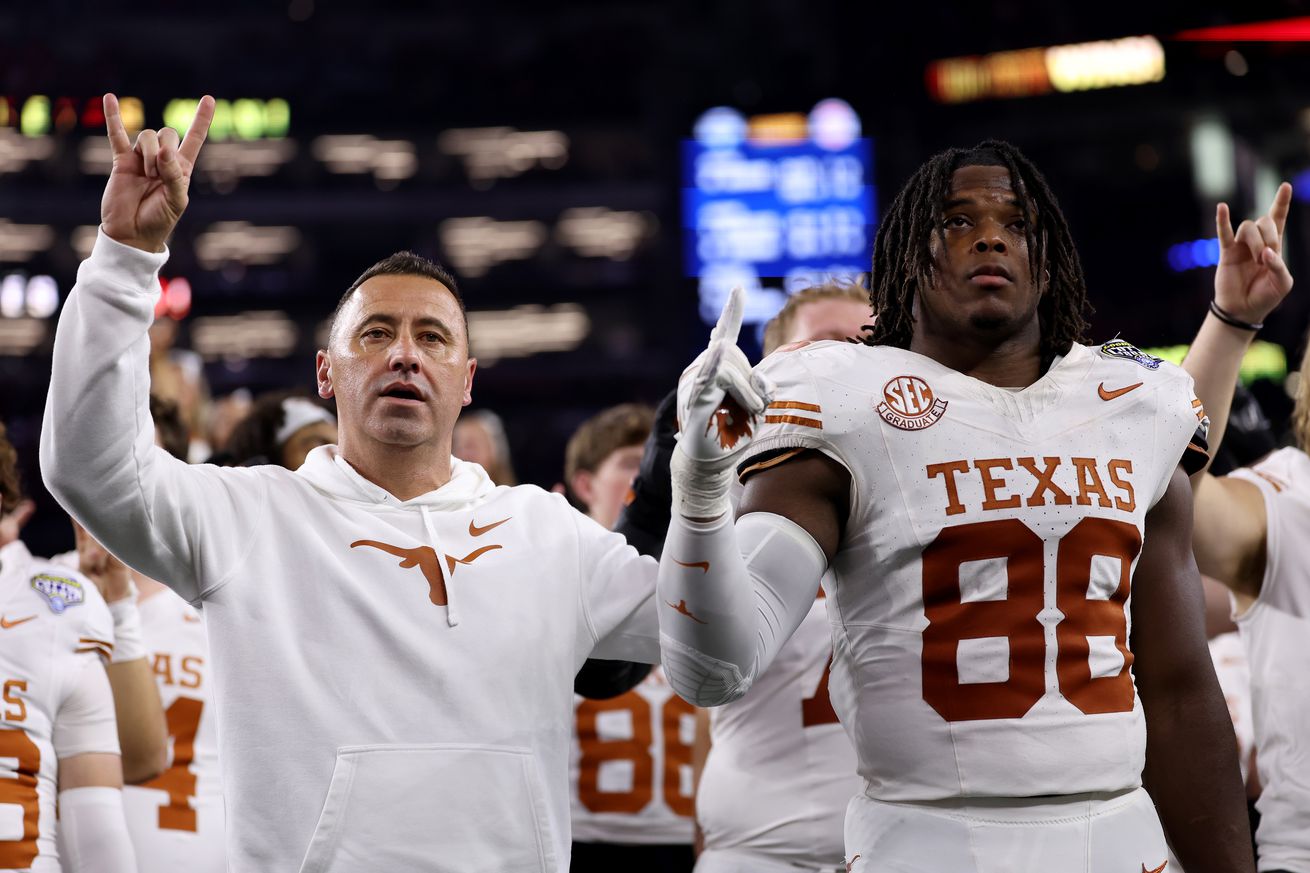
{"x":731,"y":595}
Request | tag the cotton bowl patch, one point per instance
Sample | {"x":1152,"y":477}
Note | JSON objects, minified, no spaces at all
{"x":60,"y":591}
{"x":1128,"y":351}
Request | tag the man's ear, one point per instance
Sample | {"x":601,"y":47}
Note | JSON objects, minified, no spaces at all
{"x":323,"y":373}
{"x":581,"y":487}
{"x":468,"y":382}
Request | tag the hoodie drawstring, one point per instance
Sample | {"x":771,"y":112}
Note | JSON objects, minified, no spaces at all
{"x":452,"y":617}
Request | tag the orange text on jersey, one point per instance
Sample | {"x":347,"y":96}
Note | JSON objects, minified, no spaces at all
{"x":189,"y":667}
{"x":16,"y":707}
{"x":1008,"y":483}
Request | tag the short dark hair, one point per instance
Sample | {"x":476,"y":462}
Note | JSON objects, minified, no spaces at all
{"x":404,"y":264}
{"x":170,"y":427}
{"x":11,"y":487}
{"x":902,"y":258}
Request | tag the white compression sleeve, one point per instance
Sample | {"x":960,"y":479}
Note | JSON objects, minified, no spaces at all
{"x":732,"y":595}
{"x":93,"y":831}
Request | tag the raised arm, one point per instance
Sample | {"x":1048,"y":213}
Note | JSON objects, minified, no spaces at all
{"x":1191,"y":753}
{"x":731,"y":594}
{"x":98,"y":453}
{"x":1250,"y":283}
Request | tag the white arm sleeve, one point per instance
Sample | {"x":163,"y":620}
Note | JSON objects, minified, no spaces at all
{"x":618,"y":595}
{"x":85,"y":721}
{"x":731,"y":595}
{"x":190,"y":526}
{"x":93,"y":831}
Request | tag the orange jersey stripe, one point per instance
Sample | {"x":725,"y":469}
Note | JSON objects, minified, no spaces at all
{"x":793,"y":419}
{"x":795,"y":404}
{"x":91,"y":641}
{"x":766,"y":464}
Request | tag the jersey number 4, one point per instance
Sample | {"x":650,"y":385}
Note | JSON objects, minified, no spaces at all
{"x":951,"y":619}
{"x":178,"y":780}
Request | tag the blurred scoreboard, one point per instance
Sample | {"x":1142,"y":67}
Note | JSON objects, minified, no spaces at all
{"x":775,"y":203}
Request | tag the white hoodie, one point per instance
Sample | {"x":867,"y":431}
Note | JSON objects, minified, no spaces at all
{"x":363,"y":725}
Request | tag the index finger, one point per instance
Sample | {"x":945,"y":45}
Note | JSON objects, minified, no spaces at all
{"x":119,"y":142}
{"x":1281,"y":206}
{"x":729,"y":324}
{"x":199,"y":129}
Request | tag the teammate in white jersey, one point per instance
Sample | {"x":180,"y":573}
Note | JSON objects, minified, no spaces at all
{"x":780,"y":769}
{"x":176,"y":819}
{"x":393,"y":638}
{"x":58,"y":739}
{"x":1251,"y":528}
{"x":630,"y":767}
{"x":984,"y":493}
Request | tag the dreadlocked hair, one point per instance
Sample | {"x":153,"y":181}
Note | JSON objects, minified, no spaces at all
{"x":903,"y":262}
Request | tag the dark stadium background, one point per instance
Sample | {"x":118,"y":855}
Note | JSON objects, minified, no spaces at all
{"x":624,"y":81}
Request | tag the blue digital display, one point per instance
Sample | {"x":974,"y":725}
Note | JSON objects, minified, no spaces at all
{"x":794,"y":213}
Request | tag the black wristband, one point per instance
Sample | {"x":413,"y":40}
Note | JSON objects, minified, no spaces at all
{"x":1231,"y":321}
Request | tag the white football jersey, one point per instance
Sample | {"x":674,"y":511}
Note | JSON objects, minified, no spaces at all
{"x":1276,"y":633}
{"x":53,"y":625}
{"x":1233,"y":671}
{"x":630,"y":766}
{"x":781,"y":770}
{"x":980,"y":596}
{"x":176,"y":819}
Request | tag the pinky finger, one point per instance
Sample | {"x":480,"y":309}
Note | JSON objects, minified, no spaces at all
{"x":1223,"y":225}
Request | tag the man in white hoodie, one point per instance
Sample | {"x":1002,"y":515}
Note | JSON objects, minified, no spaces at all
{"x":394,"y":638}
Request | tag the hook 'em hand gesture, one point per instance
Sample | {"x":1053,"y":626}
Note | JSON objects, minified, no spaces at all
{"x":147,"y":190}
{"x":1252,"y":279}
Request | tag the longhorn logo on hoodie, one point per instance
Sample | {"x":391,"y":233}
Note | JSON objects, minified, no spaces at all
{"x":425,"y":558}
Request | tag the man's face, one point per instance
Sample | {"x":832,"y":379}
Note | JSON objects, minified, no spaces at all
{"x":605,"y":488}
{"x":397,"y":365}
{"x":982,"y":286}
{"x":833,"y":318}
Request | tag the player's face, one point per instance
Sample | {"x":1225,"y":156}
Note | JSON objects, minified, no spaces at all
{"x":834,"y":318}
{"x":398,"y":365}
{"x":983,"y":287}
{"x":610,"y":483}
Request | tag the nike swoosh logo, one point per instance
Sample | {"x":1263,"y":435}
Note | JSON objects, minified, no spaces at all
{"x":851,"y":862}
{"x":1110,"y":395}
{"x":703,"y":565}
{"x":1157,"y":869}
{"x":475,"y":531}
{"x":188,"y":617}
{"x":7,"y":624}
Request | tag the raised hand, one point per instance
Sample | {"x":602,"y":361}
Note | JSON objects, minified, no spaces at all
{"x":1252,"y":279}
{"x":719,"y":404}
{"x":147,"y":189}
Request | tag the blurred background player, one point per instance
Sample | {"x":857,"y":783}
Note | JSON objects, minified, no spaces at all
{"x":176,"y":819}
{"x":630,"y":768}
{"x":58,"y":737}
{"x":1251,"y":527}
{"x":480,"y":438}
{"x":282,"y":428}
{"x":780,"y":769}
{"x":958,"y":680}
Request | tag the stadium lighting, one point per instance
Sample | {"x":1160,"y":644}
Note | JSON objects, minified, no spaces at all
{"x":1134,"y":60}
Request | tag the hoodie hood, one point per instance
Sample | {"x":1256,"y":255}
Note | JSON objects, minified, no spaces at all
{"x":330,"y":473}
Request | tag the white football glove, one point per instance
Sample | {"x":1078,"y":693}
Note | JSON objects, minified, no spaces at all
{"x":720,"y":402}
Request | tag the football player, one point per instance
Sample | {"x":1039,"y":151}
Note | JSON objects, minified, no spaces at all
{"x":780,"y":769}
{"x":1249,"y":527}
{"x":1004,"y":518}
{"x":58,"y":737}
